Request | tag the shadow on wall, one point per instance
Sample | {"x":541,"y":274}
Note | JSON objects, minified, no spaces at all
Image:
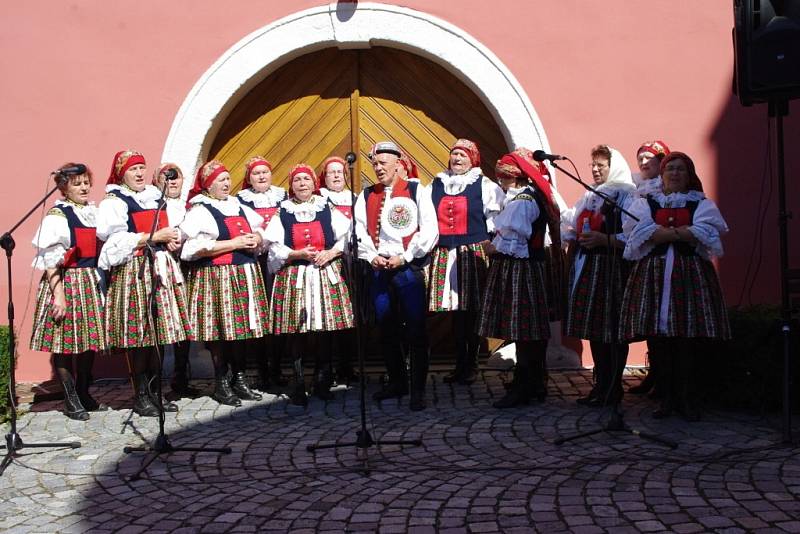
{"x":747,"y":194}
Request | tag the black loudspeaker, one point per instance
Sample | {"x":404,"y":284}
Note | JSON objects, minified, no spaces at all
{"x":766,"y":46}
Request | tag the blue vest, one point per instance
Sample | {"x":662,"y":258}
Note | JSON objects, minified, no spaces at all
{"x":475,"y":229}
{"x":84,"y":258}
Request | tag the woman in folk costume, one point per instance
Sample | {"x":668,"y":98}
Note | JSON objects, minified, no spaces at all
{"x":69,"y":303}
{"x":335,"y":175}
{"x":673,"y":297}
{"x":594,"y":292}
{"x":466,"y":203}
{"x":309,"y":295}
{"x":125,"y":219}
{"x":227,"y":298}
{"x":263,"y":197}
{"x":648,"y":181}
{"x":515,"y":303}
{"x":168,"y":178}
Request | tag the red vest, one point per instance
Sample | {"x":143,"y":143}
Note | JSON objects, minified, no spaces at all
{"x":375,"y":202}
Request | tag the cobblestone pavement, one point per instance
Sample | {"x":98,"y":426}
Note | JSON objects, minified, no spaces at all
{"x":477,"y":470}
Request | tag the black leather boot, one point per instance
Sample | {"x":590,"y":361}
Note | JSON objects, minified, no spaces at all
{"x":419,"y":378}
{"x":180,"y":380}
{"x":241,"y":389}
{"x":82,"y":388}
{"x":72,"y":403}
{"x":168,"y":405}
{"x":143,"y":404}
{"x":322,"y":385}
{"x":519,"y":392}
{"x":298,"y":396}
{"x":223,"y":393}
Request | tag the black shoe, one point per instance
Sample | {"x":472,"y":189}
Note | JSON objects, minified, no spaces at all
{"x":417,"y":402}
{"x":88,"y":402}
{"x":242,"y":390}
{"x":223,"y":393}
{"x":142,"y":403}
{"x":166,"y":404}
{"x":588,"y":399}
{"x":298,"y":396}
{"x":72,"y":402}
{"x":390,"y":391}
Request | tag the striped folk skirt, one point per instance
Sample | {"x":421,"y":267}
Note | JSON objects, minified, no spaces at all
{"x":309,"y":299}
{"x":467,"y":278}
{"x":227,"y":302}
{"x":515,"y":300}
{"x":82,"y":328}
{"x":696,"y":308}
{"x":127,"y":305}
{"x":589,"y":305}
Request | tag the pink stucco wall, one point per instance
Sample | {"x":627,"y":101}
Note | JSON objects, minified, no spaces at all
{"x":84,"y":79}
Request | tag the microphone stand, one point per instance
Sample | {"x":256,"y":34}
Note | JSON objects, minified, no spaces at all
{"x":161,"y":444}
{"x":363,"y":439}
{"x":14,"y":442}
{"x":616,"y":422}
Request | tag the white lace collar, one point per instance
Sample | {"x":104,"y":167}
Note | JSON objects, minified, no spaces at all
{"x":314,"y":204}
{"x":146,"y":197}
{"x":228,"y":207}
{"x":86,"y":213}
{"x":339,"y":198}
{"x":269,"y":198}
{"x":678,"y":199}
{"x":465,"y":179}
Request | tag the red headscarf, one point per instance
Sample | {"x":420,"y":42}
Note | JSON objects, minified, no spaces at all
{"x":656,"y":148}
{"x":252,"y":164}
{"x":206,"y":174}
{"x":324,"y":169}
{"x":471,"y":148}
{"x":302,"y":168}
{"x":123,"y":160}
{"x":409,"y":165}
{"x":694,"y":183}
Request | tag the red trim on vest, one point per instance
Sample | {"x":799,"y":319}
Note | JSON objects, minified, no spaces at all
{"x":452,"y":215}
{"x":595,"y":221}
{"x":266,"y":213}
{"x":236,"y":225}
{"x":308,"y":234}
{"x":143,"y":223}
{"x":85,"y":246}
{"x":673,"y":217}
{"x":346,"y":210}
{"x":375,"y":203}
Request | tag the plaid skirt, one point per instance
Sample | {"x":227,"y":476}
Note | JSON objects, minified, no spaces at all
{"x":471,"y":266}
{"x":514,"y":304}
{"x":126,"y":306}
{"x":589,"y":311}
{"x":227,"y":302}
{"x":82,"y":327}
{"x":314,"y":303}
{"x":696,"y":306}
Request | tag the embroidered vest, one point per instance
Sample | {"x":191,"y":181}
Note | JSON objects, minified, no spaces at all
{"x":673,"y":218}
{"x":140,"y":220}
{"x":298,"y":235}
{"x":539,"y":226}
{"x":83,"y":244}
{"x":374,"y":198}
{"x":228,"y":227}
{"x":461,"y":219}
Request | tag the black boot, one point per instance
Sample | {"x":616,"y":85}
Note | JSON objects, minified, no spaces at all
{"x":167,"y":405}
{"x":143,"y":404}
{"x":180,"y":380}
{"x":298,"y":396}
{"x":72,"y":403}
{"x":397,"y":385}
{"x":419,"y":378}
{"x":223,"y":393}
{"x":82,"y":388}
{"x":241,"y":389}
{"x":322,"y":385}
{"x":519,"y":392}
{"x":470,"y":367}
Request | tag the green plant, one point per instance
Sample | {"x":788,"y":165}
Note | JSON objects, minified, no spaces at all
{"x":5,"y":363}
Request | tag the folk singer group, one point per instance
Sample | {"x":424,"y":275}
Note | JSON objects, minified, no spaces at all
{"x":266,"y":267}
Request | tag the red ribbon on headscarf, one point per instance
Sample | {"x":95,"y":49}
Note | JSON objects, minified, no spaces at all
{"x":201,"y":182}
{"x":123,"y":160}
{"x":409,"y":165}
{"x":252,"y":164}
{"x":303,"y":168}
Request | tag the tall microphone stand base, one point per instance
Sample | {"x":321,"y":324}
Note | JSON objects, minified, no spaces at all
{"x":161,"y":445}
{"x":14,"y":443}
{"x":616,"y":423}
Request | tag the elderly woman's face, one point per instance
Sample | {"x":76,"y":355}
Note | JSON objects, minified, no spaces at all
{"x":77,"y":189}
{"x":260,"y":178}
{"x":334,"y":176}
{"x":600,"y":168}
{"x":303,"y":186}
{"x":649,"y":164}
{"x":676,"y":176}
{"x":220,"y":188}
{"x":459,"y":161}
{"x":134,"y":177}
{"x":173,"y":189}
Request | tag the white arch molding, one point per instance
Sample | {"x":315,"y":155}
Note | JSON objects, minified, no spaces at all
{"x":347,"y":25}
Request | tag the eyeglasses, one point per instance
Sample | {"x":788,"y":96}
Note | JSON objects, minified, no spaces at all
{"x":598,"y":165}
{"x":675,"y":168}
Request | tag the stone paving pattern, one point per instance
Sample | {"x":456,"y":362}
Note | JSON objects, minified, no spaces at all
{"x":478,"y":469}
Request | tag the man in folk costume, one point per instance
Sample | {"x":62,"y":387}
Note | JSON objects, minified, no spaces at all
{"x":396,"y":227}
{"x":466,"y":203}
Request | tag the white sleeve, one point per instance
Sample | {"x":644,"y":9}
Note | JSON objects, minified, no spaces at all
{"x":274,"y":237}
{"x":708,"y":227}
{"x":493,"y":198}
{"x":112,"y":228}
{"x":638,"y":234}
{"x":201,"y":233}
{"x":341,"y":229}
{"x":514,"y":227}
{"x":256,"y":223}
{"x":428,"y":233}
{"x":51,"y":241}
{"x":366,"y":248}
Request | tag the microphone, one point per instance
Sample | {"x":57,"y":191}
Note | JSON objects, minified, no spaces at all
{"x":541,"y":155}
{"x":350,"y":158}
{"x":73,"y":170}
{"x":170,"y":174}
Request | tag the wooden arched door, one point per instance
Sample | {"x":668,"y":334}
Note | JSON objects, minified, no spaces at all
{"x":334,"y":101}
